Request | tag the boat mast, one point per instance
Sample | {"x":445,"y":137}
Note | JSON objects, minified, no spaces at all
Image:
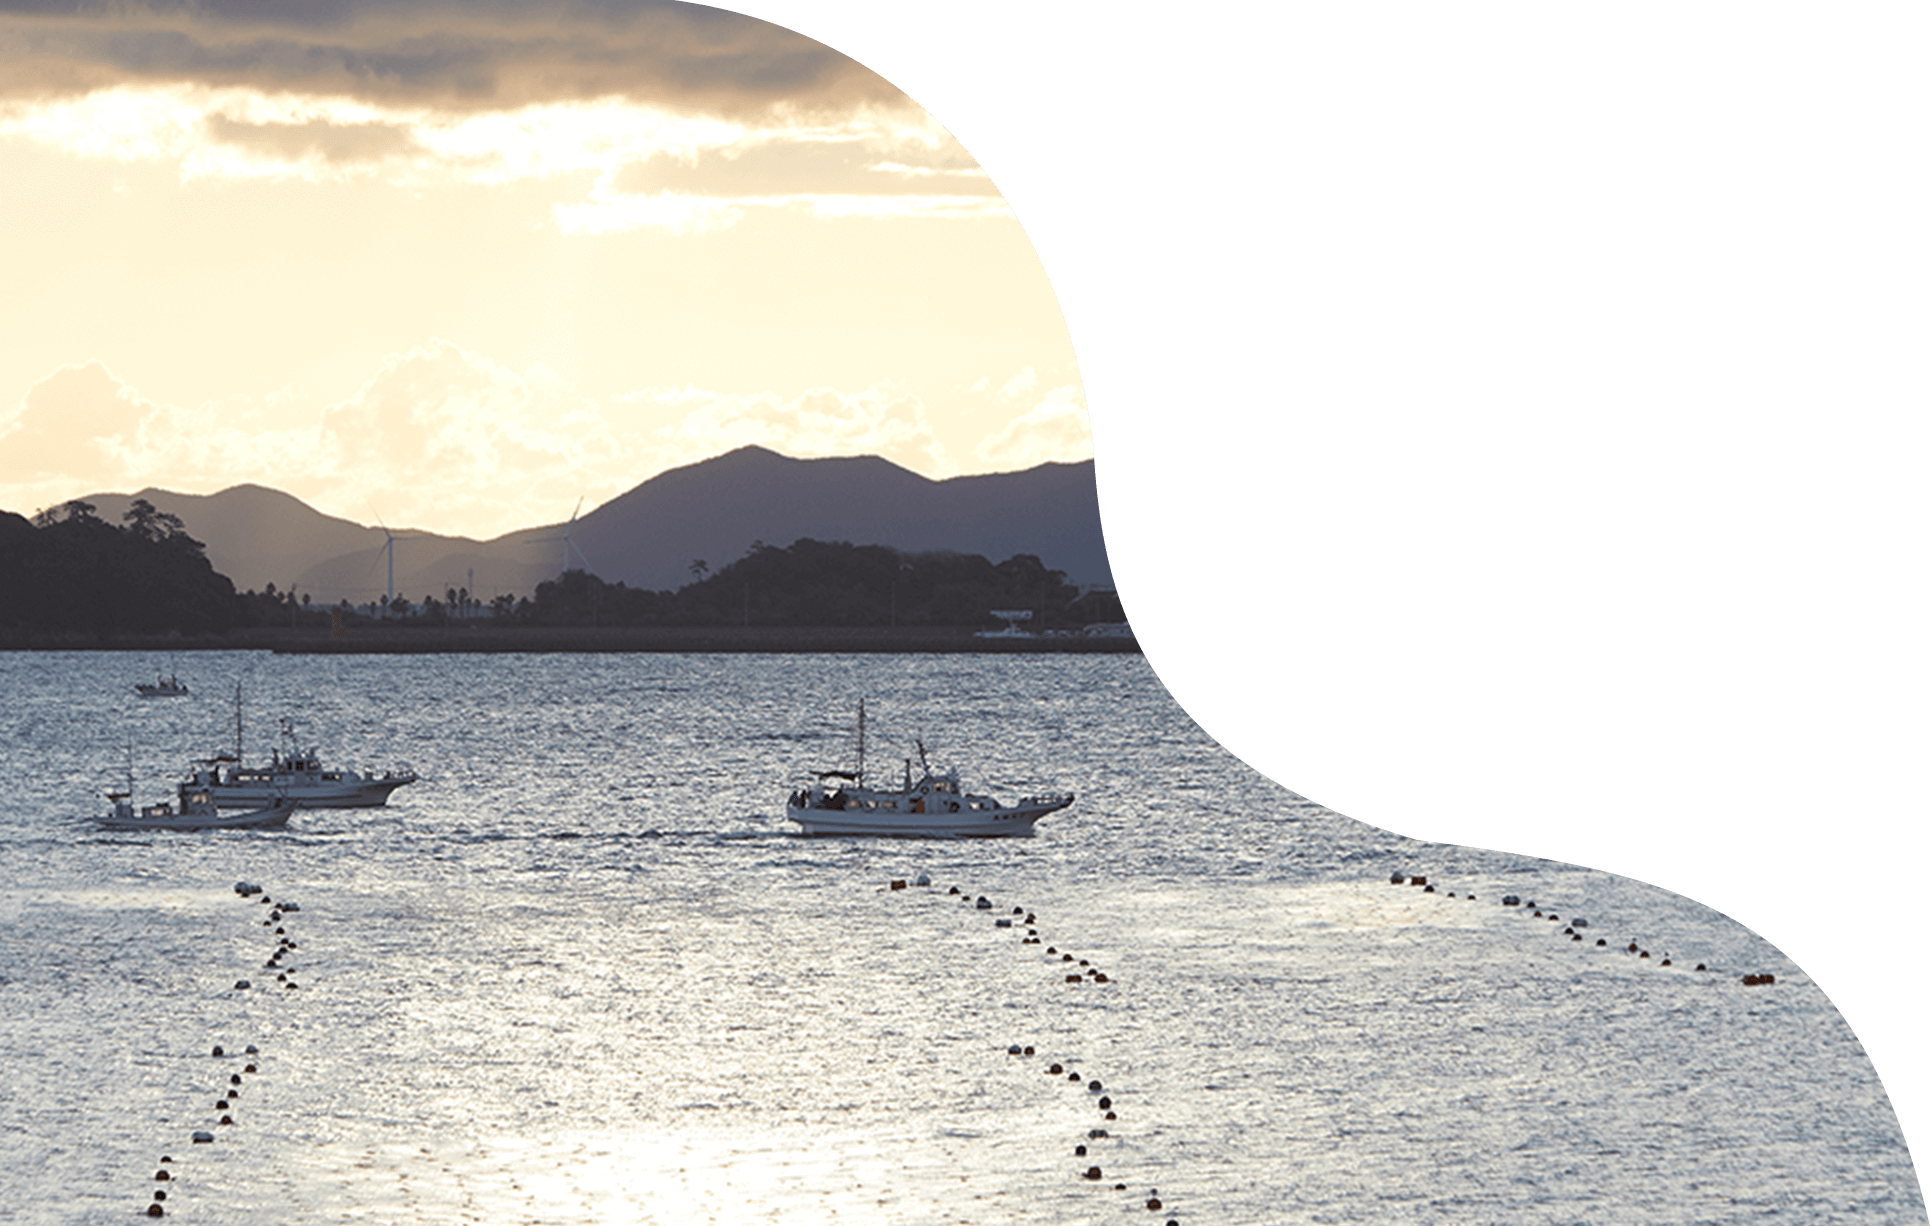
{"x":237,"y":725}
{"x":861,"y":742}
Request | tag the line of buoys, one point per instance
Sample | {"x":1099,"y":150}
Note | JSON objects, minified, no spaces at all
{"x":1056,"y":1069}
{"x":1634,"y":948}
{"x":228,"y":1101}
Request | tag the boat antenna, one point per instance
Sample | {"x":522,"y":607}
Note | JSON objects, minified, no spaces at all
{"x":861,"y":742}
{"x":237,"y":724}
{"x":923,"y":764}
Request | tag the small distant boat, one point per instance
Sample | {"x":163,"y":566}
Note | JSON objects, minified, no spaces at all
{"x":936,"y":806}
{"x":195,"y":810}
{"x":163,"y":687}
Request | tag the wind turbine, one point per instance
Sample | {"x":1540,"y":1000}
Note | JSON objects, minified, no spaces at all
{"x":389,"y":547}
{"x":568,"y":544}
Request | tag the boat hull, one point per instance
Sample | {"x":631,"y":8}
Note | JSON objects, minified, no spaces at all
{"x":270,"y":817}
{"x":363,"y":794}
{"x":1014,"y":823}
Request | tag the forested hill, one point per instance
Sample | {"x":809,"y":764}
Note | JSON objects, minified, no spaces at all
{"x":70,"y":571}
{"x":831,"y":583}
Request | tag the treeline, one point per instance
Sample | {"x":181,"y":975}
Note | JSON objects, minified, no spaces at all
{"x":68,"y":571}
{"x":829,"y":583}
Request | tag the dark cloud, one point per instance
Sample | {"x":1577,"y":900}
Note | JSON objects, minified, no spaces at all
{"x":473,"y":55}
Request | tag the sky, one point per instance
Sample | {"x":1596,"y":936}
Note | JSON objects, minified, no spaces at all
{"x":460,"y":266}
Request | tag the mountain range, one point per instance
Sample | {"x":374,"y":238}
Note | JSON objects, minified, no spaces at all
{"x":713,"y":511}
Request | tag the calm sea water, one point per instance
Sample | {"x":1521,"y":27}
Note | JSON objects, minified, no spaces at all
{"x":583,"y":973}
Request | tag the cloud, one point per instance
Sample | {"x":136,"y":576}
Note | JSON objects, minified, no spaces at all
{"x":1054,"y":427}
{"x":668,"y":108}
{"x":317,"y":140}
{"x":478,"y":55}
{"x":74,"y":424}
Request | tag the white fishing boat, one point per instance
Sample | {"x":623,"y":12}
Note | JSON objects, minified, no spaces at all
{"x":194,"y":810}
{"x":295,"y":772}
{"x":934,"y":806}
{"x":163,"y":687}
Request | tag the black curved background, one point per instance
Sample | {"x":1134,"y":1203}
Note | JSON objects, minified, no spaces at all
{"x":1398,"y":394}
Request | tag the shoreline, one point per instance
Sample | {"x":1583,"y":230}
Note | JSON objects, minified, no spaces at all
{"x":677,"y":640}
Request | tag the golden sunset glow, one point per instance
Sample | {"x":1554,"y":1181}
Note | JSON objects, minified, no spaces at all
{"x":474,"y":265}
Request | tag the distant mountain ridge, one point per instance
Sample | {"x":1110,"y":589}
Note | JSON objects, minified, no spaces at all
{"x":712,"y":511}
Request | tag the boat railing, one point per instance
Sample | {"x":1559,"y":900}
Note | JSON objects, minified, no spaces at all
{"x":1060,"y":799}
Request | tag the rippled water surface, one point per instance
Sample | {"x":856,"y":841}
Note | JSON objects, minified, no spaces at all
{"x":582,"y":972}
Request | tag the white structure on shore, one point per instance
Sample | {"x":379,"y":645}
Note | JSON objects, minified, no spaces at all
{"x":1011,"y":618}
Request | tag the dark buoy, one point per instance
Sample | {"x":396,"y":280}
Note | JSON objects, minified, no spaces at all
{"x":221,"y":1105}
{"x":897,"y":885}
{"x":1152,"y":1202}
{"x":1428,"y":890}
{"x":1096,"y":1133}
{"x":1072,"y":1076}
{"x":1057,"y":1068}
{"x":1667,"y":962}
{"x":1049,"y":949}
{"x":1028,"y":1049}
{"x":1099,"y":977}
{"x":234,"y":1079}
{"x":1112,"y":1115}
{"x":1092,"y":1172}
{"x":1094,"y":1085}
{"x":155,"y":1211}
{"x":226,"y":1119}
{"x":161,"y":1176}
{"x":165,"y":1158}
{"x":1012,"y":1050}
{"x":1105,"y":1100}
{"x":1701,"y":967}
{"x":1002,"y":923}
{"x":1078,"y":1151}
{"x":218,"y":1051}
{"x":1397,"y":879}
{"x":241,"y":985}
{"x":1511,"y":900}
{"x":1599,"y":942}
{"x":160,"y":1195}
{"x":984,"y":903}
{"x":203,"y":1138}
{"x":1645,"y":953}
{"x":249,"y":1069}
{"x":953,"y":890}
{"x":1632,"y":947}
{"x":1417,"y":881}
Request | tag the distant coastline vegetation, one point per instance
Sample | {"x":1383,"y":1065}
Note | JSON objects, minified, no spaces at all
{"x":75,"y":579}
